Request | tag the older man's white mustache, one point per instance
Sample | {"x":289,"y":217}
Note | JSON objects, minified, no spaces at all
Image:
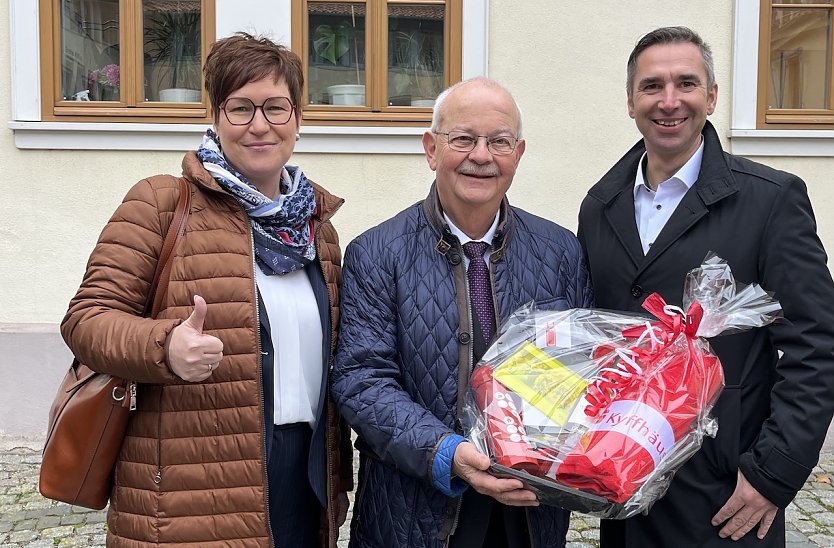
{"x":477,"y":171}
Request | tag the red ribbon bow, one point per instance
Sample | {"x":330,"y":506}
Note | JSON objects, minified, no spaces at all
{"x":621,"y":368}
{"x":671,"y":323}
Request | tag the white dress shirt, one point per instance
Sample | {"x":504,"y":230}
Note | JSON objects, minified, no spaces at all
{"x":464,"y":239}
{"x":295,"y":328}
{"x":652,"y":208}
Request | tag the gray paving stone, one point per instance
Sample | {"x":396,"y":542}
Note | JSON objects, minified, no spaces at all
{"x":28,"y":520}
{"x":794,"y":537}
{"x":809,"y":506}
{"x":805,"y":526}
{"x":70,"y":542}
{"x":48,"y":522}
{"x":72,"y":519}
{"x":25,"y":525}
{"x":822,"y":540}
{"x":43,"y":543}
{"x":99,"y":517}
{"x":57,"y":531}
{"x":22,"y":537}
{"x":825,"y":518}
{"x":93,"y":529}
{"x":590,"y":534}
{"x":57,"y":510}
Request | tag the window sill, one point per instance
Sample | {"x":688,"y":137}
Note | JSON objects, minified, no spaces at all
{"x":782,"y":142}
{"x":167,"y":137}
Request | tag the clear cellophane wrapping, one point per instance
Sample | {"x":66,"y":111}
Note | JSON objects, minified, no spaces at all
{"x":595,"y":410}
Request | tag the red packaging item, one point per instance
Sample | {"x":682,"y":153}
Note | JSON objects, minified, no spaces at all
{"x":642,"y":416}
{"x":506,"y":435}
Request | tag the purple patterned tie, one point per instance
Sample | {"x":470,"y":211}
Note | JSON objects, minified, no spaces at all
{"x":479,"y":288}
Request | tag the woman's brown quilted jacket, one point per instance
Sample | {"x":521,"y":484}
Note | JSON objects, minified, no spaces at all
{"x":191,"y":470}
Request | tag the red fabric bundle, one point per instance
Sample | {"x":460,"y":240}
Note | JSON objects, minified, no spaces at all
{"x":640,"y":417}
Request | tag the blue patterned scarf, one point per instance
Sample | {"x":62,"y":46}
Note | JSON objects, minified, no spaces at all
{"x":282,"y":228}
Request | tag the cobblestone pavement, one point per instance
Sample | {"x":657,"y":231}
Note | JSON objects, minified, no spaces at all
{"x":27,"y":520}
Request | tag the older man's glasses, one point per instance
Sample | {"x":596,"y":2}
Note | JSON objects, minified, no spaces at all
{"x":466,"y":142}
{"x":240,"y":111}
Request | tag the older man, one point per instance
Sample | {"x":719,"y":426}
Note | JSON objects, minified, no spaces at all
{"x":672,"y":198}
{"x":422,"y":296}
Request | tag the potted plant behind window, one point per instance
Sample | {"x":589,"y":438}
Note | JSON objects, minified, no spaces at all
{"x":172,"y":41}
{"x":103,"y":83}
{"x":334,"y":44}
{"x":417,"y":65}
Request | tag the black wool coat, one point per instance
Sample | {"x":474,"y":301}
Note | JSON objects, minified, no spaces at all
{"x":774,"y":412}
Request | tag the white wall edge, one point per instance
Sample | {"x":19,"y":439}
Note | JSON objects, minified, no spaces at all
{"x":782,"y":142}
{"x":25,"y":59}
{"x":254,"y":17}
{"x":745,"y":63}
{"x":475,"y":36}
{"x":182,"y":137}
{"x":30,"y":328}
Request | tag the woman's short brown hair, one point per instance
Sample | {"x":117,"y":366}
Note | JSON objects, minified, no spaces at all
{"x":236,"y":60}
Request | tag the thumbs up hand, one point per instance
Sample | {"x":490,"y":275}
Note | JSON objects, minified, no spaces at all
{"x":191,"y":354}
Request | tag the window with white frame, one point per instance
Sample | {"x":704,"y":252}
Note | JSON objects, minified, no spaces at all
{"x":781,"y":106}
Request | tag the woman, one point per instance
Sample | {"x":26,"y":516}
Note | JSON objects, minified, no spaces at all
{"x":234,"y":440}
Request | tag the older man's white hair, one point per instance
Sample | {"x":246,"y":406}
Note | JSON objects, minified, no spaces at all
{"x":437,"y":113}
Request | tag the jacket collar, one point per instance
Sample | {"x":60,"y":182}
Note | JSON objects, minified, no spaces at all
{"x":193,"y":170}
{"x":714,"y":183}
{"x":447,"y":240}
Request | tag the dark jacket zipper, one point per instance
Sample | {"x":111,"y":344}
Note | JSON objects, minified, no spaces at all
{"x":259,"y":358}
{"x":332,"y":496}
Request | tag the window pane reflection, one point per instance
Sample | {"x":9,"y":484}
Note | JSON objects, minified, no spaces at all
{"x":336,"y":59}
{"x":171,"y":47}
{"x":800,"y":59}
{"x":90,"y":68}
{"x":415,"y":54}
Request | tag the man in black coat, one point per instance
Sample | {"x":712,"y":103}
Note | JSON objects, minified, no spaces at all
{"x":654,"y":216}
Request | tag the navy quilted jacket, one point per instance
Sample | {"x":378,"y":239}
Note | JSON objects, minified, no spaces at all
{"x":405,"y":329}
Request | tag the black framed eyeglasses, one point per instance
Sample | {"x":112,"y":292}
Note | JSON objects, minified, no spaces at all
{"x":240,"y":111}
{"x":462,"y":141}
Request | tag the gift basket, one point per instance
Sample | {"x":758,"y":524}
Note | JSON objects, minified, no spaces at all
{"x":595,"y":410}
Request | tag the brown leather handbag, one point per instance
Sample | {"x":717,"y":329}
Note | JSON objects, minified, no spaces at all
{"x":88,"y":418}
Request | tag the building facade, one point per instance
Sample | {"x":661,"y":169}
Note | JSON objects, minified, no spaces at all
{"x":66,"y":167}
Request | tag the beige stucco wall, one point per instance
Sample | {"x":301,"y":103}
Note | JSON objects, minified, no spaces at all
{"x":565,"y":64}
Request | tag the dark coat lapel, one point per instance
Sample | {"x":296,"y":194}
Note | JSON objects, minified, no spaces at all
{"x":615,"y":190}
{"x":620,"y":215}
{"x":715,"y":182}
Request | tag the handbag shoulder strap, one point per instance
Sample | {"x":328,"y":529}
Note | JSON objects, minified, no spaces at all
{"x":159,"y":286}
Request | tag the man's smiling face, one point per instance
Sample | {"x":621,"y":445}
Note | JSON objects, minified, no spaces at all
{"x":476,"y":179}
{"x":670,"y":100}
